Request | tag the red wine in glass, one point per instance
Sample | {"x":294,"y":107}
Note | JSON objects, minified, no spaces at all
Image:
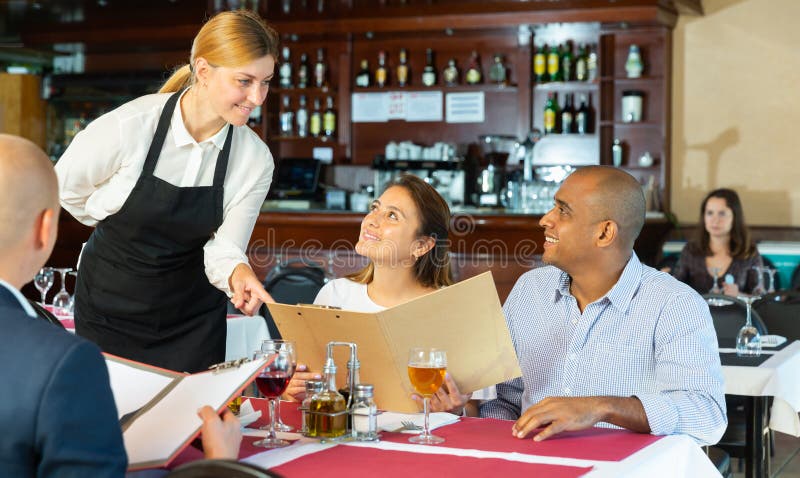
{"x":272,"y":383}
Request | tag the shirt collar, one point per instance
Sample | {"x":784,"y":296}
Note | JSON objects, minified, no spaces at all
{"x":181,"y":135}
{"x":23,"y":302}
{"x":620,"y":294}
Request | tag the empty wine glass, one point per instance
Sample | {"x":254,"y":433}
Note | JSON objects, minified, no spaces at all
{"x":426,"y":369}
{"x":771,"y":273}
{"x":748,"y":340}
{"x":272,"y":382}
{"x":72,"y":296}
{"x":44,"y":281}
{"x":715,"y":289}
{"x":62,"y":300}
{"x":759,"y":289}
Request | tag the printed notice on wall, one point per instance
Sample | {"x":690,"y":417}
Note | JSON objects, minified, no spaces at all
{"x":424,"y":106}
{"x":465,"y":107}
{"x":397,"y":105}
{"x":370,"y":107}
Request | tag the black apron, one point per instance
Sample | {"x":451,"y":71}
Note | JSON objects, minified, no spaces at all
{"x":142,"y":290}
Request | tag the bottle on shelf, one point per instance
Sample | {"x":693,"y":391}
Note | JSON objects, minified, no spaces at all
{"x":567,"y":62}
{"x":633,"y":65}
{"x":329,"y":119}
{"x":285,"y":71}
{"x":616,"y":153}
{"x":473,"y":75}
{"x":320,"y":69}
{"x":301,"y":117}
{"x":315,"y":121}
{"x":254,"y":120}
{"x":540,"y":65}
{"x":591,"y":63}
{"x":567,"y":115}
{"x":583,"y":117}
{"x":403,"y":69}
{"x":553,"y":64}
{"x":286,"y":117}
{"x":450,"y":73}
{"x":382,"y":71}
{"x":498,"y":73}
{"x":364,"y":77}
{"x":302,"y":71}
{"x":429,"y":72}
{"x":581,"y":72}
{"x":551,"y":114}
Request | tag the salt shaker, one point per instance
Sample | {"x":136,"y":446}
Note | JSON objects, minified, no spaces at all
{"x":364,"y":413}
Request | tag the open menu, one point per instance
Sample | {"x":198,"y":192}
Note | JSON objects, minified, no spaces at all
{"x":465,"y":319}
{"x":158,"y":408}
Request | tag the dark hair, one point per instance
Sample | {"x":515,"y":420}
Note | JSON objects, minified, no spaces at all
{"x":432,"y":269}
{"x":741,"y":246}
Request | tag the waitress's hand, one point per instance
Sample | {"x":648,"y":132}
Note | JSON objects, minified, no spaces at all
{"x":248,"y":292}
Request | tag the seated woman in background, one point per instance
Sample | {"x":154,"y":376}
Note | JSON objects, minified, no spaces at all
{"x":723,"y":251}
{"x":405,"y":238}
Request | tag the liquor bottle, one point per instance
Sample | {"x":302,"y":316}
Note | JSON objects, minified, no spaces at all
{"x":633,"y":65}
{"x":402,"y":69}
{"x":567,"y":115}
{"x":591,"y":63}
{"x":550,"y":114}
{"x":301,"y":117}
{"x":286,"y":117}
{"x":364,"y":78}
{"x":329,"y":119}
{"x":302,"y":71}
{"x":450,"y":73}
{"x":328,"y":405}
{"x":315,"y":122}
{"x":567,"y":62}
{"x":320,"y":69}
{"x":616,"y":153}
{"x":540,"y":65}
{"x":583,"y":117}
{"x":382,"y":72}
{"x":580,"y":64}
{"x":497,"y":72}
{"x":553,"y":64}
{"x":429,"y":73}
{"x":285,"y":71}
{"x":473,"y":75}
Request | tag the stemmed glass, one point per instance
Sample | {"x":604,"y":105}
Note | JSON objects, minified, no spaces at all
{"x":748,"y":340}
{"x":44,"y":281}
{"x":272,"y":382}
{"x":62,"y":300}
{"x":266,"y":347}
{"x":716,"y":289}
{"x":72,"y":297}
{"x":759,"y":289}
{"x":771,"y":273}
{"x":426,"y":369}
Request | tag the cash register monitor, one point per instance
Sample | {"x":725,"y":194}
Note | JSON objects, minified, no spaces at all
{"x":295,"y":178}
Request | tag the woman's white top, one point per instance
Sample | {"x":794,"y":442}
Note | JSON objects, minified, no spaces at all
{"x":100,"y":167}
{"x":349,"y":295}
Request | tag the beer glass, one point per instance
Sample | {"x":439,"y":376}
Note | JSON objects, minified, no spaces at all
{"x":426,"y":369}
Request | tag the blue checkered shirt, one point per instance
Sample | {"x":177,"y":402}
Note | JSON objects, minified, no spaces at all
{"x":650,"y":336}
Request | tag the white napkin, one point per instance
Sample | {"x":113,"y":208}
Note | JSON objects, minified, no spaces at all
{"x":247,"y":414}
{"x":772,"y":340}
{"x":392,"y":421}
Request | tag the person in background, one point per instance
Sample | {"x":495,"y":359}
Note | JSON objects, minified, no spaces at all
{"x":600,"y":337}
{"x":723,"y":251}
{"x":173,"y":183}
{"x":405,"y":238}
{"x":58,"y":416}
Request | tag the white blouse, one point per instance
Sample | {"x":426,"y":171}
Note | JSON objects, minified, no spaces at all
{"x":100,"y":167}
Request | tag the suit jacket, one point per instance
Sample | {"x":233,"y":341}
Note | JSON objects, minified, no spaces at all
{"x":57,"y":413}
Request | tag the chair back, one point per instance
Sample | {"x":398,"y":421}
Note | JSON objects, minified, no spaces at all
{"x":294,"y":282}
{"x":731,"y":316}
{"x":220,"y":468}
{"x":45,"y":314}
{"x":780,"y":311}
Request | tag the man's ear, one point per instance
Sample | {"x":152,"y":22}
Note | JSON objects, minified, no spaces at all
{"x":46,"y":227}
{"x":607,"y":234}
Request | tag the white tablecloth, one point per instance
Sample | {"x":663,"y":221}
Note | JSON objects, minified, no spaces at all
{"x":245,"y":335}
{"x":777,"y":377}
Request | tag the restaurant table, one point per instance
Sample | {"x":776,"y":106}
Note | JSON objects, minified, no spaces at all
{"x":476,"y":447}
{"x":776,"y":374}
{"x":244,"y":333}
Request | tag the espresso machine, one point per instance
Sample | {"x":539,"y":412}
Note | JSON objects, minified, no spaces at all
{"x":446,"y":176}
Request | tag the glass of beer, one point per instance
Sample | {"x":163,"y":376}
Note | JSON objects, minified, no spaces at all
{"x":426,"y":369}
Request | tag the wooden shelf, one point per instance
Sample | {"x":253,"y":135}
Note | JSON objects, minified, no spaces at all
{"x":489,"y":88}
{"x":318,"y":139}
{"x":327,"y":90}
{"x":566,"y":86}
{"x":634,"y":125}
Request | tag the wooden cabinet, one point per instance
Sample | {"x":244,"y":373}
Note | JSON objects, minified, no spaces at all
{"x":22,"y":110}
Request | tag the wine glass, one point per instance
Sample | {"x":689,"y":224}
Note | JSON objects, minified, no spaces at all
{"x":771,"y":273}
{"x":759,"y":289}
{"x":272,"y":382}
{"x":748,"y":340}
{"x":266,"y":347}
{"x":44,"y":281}
{"x":426,"y":369}
{"x":62,"y":300}
{"x":72,"y":297}
{"x":716,"y":289}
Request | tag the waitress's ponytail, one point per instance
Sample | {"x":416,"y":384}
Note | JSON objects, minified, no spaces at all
{"x":180,"y":79}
